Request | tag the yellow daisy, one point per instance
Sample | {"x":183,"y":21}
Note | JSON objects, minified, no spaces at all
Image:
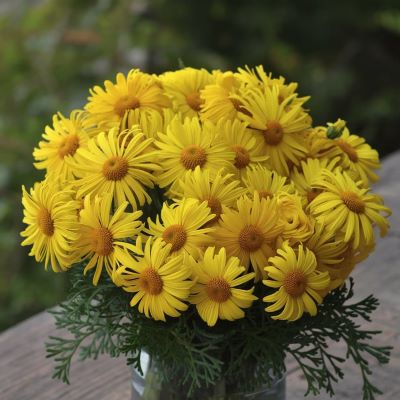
{"x":248,"y":149}
{"x":279,"y":124}
{"x":297,"y":225}
{"x":61,"y":141}
{"x":137,"y":90}
{"x":215,"y":292}
{"x":184,"y":86}
{"x":259,"y":78}
{"x":188,"y":145}
{"x":306,"y":177}
{"x":250,"y":232}
{"x":102,"y":232}
{"x":344,"y":206}
{"x":298,"y":283}
{"x":220,"y":193}
{"x":327,"y":248}
{"x":182,"y":226}
{"x":220,"y":99}
{"x":349,"y":257}
{"x":123,"y":168}
{"x":266,"y":182}
{"x":357,"y":157}
{"x":51,"y":216}
{"x":161,"y":283}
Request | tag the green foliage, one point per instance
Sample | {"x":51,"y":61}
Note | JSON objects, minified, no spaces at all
{"x":246,"y":353}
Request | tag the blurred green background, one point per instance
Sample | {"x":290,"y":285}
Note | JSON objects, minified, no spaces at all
{"x":346,"y":55}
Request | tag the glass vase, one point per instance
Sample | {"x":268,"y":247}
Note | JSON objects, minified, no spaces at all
{"x":149,"y":387}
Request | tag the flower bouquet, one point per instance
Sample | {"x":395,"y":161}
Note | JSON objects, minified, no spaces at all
{"x":208,"y":229}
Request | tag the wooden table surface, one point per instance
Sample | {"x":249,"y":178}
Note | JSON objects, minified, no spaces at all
{"x":25,"y":373}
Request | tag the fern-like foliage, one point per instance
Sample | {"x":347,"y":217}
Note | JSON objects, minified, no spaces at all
{"x":245,"y":354}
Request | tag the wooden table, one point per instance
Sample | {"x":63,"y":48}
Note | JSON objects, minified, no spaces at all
{"x":25,"y":373}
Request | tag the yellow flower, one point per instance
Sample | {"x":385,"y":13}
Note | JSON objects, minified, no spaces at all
{"x":121,"y":166}
{"x":188,"y":145}
{"x":267,"y":183}
{"x":220,"y":193}
{"x":51,"y":216}
{"x":102,"y":232}
{"x":161,"y":283}
{"x":184,"y":86}
{"x":357,"y":157}
{"x":259,"y":78}
{"x":250,"y":232}
{"x":61,"y":141}
{"x":306,"y":177}
{"x":182,"y":226}
{"x":327,"y":248}
{"x":248,"y":149}
{"x":298,"y":283}
{"x":219,"y":98}
{"x":137,"y":90}
{"x":349,"y":257}
{"x":345,"y":207}
{"x":215,"y":292}
{"x":297,"y":225}
{"x":279,"y":124}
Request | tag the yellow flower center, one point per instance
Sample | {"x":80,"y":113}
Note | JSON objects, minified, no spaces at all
{"x":46,"y":224}
{"x":194,"y":101}
{"x":265,"y":194}
{"x":242,"y":158}
{"x":68,"y":146}
{"x":348,"y":149}
{"x":273,"y":134}
{"x":218,"y":290}
{"x":312,"y":194}
{"x":193,"y":156}
{"x":115,"y":168}
{"x":250,"y":238}
{"x":175,"y":235}
{"x":126,"y":103}
{"x":102,"y":241}
{"x":353,"y":202}
{"x":150,"y":281}
{"x":295,"y":283}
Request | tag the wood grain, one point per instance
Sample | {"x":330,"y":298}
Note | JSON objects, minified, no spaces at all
{"x":25,"y":372}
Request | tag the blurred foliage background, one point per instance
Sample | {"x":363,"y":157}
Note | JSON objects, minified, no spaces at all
{"x":346,"y":55}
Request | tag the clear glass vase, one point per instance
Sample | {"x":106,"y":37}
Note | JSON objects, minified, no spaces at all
{"x":149,"y":387}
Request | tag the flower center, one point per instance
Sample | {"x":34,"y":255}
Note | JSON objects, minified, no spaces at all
{"x":250,"y":238}
{"x":295,"y":283}
{"x":348,"y":149}
{"x":218,"y":290}
{"x":150,"y":281}
{"x":102,"y":241}
{"x":175,"y":235}
{"x":265,"y":194}
{"x":46,"y":224}
{"x":242,"y":158}
{"x":273,"y":134}
{"x":312,"y":194}
{"x":115,"y":168}
{"x":194,"y":101}
{"x":239,"y":107}
{"x":68,"y":146}
{"x":193,"y":156}
{"x":216,"y":208}
{"x":353,"y":202}
{"x":126,"y":103}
